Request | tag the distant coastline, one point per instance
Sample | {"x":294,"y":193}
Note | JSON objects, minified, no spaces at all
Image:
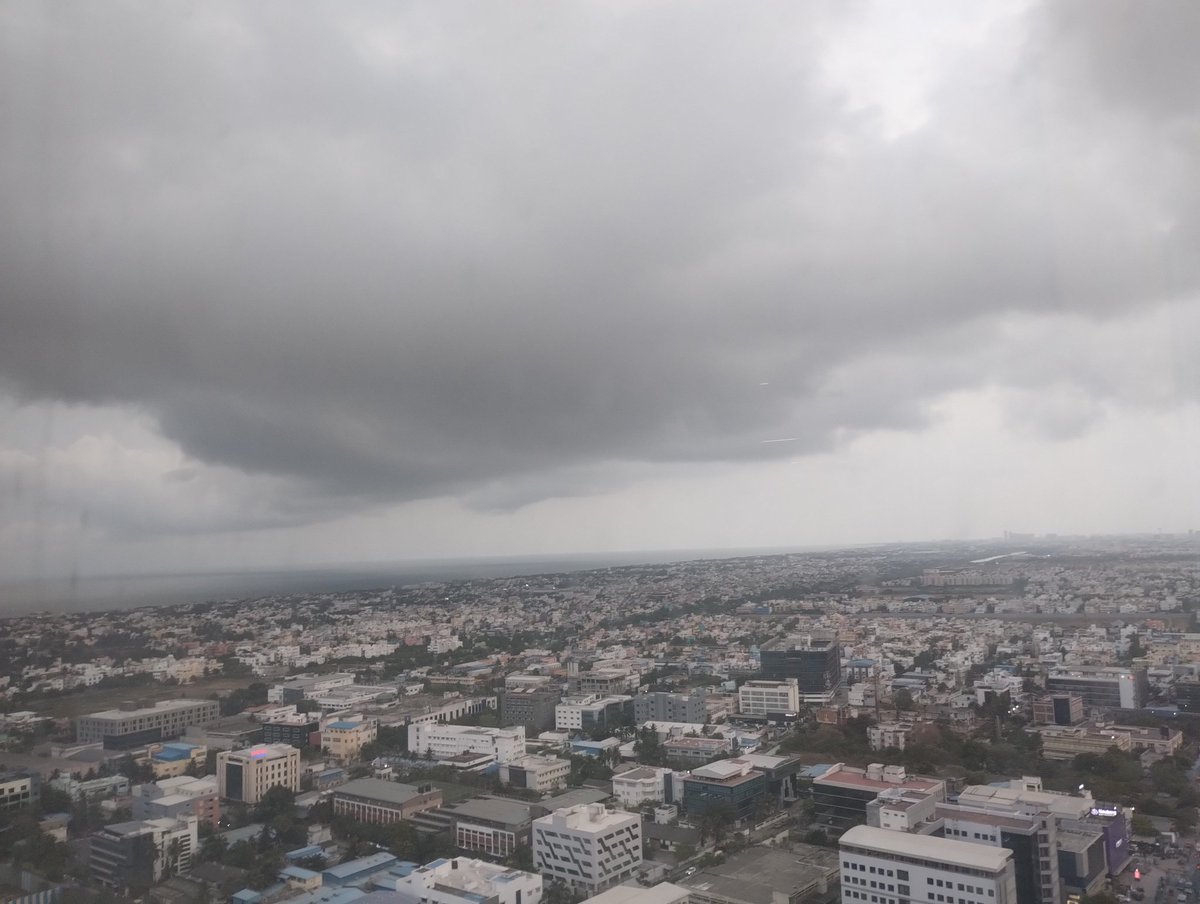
{"x":99,"y":593}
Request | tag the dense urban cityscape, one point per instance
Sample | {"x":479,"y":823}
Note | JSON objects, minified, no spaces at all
{"x":1014,"y":720}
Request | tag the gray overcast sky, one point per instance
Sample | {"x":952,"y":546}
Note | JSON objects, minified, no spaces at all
{"x":298,"y":282}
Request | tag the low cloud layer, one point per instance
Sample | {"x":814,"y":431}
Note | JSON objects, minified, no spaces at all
{"x":330,"y":257}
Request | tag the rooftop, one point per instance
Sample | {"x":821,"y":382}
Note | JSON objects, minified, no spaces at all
{"x":378,"y":789}
{"x":925,"y":847}
{"x":162,"y":706}
{"x":494,"y":809}
{"x":756,"y":874}
{"x":855,"y":778}
{"x":663,"y":893}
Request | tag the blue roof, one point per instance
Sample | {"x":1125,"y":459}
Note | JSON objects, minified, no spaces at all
{"x":344,"y":725}
{"x":172,"y":754}
{"x":245,"y":896}
{"x":313,"y":850}
{"x":352,"y":868}
{"x":328,"y":896}
{"x":298,"y":872}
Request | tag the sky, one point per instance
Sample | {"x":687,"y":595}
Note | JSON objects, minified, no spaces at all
{"x":296,"y":283}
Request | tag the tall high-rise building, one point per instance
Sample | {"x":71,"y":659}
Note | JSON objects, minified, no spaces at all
{"x":660,"y":706}
{"x":814,"y":661}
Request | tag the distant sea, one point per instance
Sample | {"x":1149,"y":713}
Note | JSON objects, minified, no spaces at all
{"x":130,"y":591}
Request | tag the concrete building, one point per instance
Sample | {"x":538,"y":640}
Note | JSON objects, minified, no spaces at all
{"x":178,"y":798}
{"x":895,"y":867}
{"x":536,"y":773}
{"x":1032,"y":840}
{"x":1066,"y":743}
{"x":442,"y":741}
{"x":888,"y":734}
{"x":308,"y":687}
{"x":732,"y":784}
{"x":164,"y":720}
{"x":132,"y":856}
{"x":20,"y":789}
{"x":644,"y":784}
{"x":343,"y":741}
{"x":589,"y":712}
{"x":604,"y":682}
{"x":814,"y":661}
{"x":1058,"y":709}
{"x":696,"y":750}
{"x":381,"y":802}
{"x":768,"y":698}
{"x":297,"y":729}
{"x":661,"y":706}
{"x":532,"y":707}
{"x":589,"y":847}
{"x":1102,"y":687}
{"x":465,"y":881}
{"x":491,"y":825}
{"x":842,"y":793}
{"x":248,"y":774}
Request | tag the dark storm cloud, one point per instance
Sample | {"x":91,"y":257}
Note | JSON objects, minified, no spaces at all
{"x":510,"y":252}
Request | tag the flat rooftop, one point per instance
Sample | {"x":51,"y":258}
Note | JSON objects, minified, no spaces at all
{"x":163,"y":706}
{"x":926,"y":847}
{"x":378,"y":789}
{"x":845,"y":778}
{"x":493,"y":809}
{"x":756,"y":874}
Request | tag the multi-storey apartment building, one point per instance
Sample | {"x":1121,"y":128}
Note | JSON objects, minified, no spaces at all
{"x":589,"y":847}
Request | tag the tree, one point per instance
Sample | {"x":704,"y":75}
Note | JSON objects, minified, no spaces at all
{"x":903,"y":699}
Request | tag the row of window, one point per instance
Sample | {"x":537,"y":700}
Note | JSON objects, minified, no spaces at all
{"x":881,"y":871}
{"x":973,"y":889}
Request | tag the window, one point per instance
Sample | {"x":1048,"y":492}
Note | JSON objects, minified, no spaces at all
{"x":902,"y":874}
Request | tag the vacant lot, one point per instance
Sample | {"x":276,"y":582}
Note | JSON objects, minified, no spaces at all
{"x":98,"y":699}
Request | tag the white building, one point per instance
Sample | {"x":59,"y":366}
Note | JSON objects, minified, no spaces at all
{"x":888,"y":734}
{"x":440,"y":740}
{"x":589,"y":847}
{"x":880,"y":866}
{"x":248,"y":774}
{"x":640,"y":785}
{"x":761,"y":698}
{"x":662,"y":893}
{"x":466,"y":881}
{"x":536,"y":773}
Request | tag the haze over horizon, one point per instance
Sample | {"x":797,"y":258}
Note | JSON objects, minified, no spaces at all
{"x":299,"y":283}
